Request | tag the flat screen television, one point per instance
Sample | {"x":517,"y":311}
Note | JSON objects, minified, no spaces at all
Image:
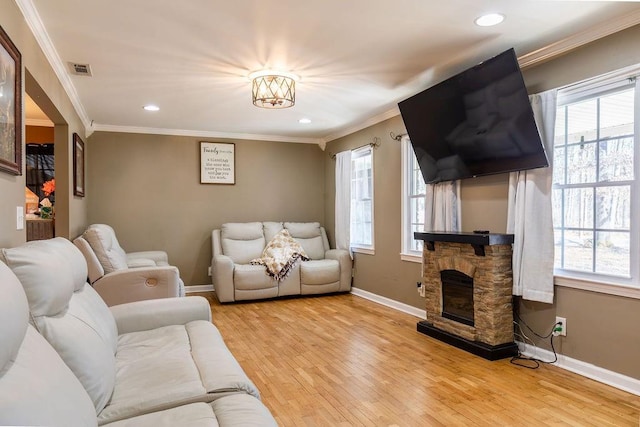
{"x":478,"y":122}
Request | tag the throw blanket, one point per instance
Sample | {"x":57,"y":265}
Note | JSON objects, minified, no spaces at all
{"x":281,"y":255}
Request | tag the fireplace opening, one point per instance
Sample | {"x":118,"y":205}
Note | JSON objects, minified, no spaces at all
{"x":457,"y":296}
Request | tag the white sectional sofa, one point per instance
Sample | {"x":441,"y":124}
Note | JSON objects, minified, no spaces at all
{"x":234,"y":245}
{"x":81,"y":363}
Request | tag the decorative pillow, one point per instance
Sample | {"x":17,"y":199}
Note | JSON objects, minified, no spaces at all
{"x":281,"y":255}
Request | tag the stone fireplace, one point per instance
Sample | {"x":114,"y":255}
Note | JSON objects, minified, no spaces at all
{"x":468,"y":288}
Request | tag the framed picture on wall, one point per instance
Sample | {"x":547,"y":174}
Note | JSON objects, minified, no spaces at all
{"x":217,"y":163}
{"x":78,"y":166}
{"x":10,"y":106}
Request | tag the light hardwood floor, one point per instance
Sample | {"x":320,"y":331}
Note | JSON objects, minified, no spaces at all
{"x":344,"y":361}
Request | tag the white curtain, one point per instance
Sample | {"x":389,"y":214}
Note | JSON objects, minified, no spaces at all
{"x":529,"y":215}
{"x":442,"y":207}
{"x":343,"y":201}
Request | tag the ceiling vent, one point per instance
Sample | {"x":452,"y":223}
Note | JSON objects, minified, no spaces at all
{"x":80,"y":69}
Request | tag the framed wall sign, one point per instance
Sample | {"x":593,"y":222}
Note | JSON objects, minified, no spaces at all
{"x":78,"y":166}
{"x":217,"y":163}
{"x":10,"y":106}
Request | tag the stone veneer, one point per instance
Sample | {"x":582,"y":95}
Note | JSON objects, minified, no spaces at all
{"x":492,"y":288}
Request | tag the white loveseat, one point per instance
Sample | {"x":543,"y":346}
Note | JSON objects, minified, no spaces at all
{"x":234,"y":245}
{"x":156,"y":362}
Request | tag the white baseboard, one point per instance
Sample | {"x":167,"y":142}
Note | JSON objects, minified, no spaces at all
{"x":198,"y":288}
{"x":614,"y":379}
{"x":400,"y":306}
{"x":585,"y":369}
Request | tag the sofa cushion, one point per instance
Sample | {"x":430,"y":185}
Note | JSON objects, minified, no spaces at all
{"x":313,"y":247}
{"x":49,"y":270}
{"x":242,"y":242}
{"x":14,"y":316}
{"x":38,"y":389}
{"x":309,"y":235}
{"x":252,"y":277}
{"x":271,"y":229}
{"x":103,"y":241}
{"x":77,"y":324}
{"x":303,"y":230}
{"x":232,"y":410}
{"x":159,"y":368}
{"x":319,"y":272}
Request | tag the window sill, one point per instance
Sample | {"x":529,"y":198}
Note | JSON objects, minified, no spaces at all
{"x":366,"y":251}
{"x":410,"y":257}
{"x":600,"y":287}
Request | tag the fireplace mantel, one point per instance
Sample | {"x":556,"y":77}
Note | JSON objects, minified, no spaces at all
{"x":476,"y":239}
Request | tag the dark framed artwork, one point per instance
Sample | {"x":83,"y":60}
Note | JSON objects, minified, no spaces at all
{"x":10,"y":106}
{"x":78,"y":166}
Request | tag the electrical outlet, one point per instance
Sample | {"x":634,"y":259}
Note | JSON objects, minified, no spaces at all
{"x":421,"y":289}
{"x":209,"y":271}
{"x":560,"y":329}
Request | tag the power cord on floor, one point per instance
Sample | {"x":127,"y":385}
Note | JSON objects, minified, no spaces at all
{"x":533,"y":362}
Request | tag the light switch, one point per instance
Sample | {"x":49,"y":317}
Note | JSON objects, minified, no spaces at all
{"x":20,"y":218}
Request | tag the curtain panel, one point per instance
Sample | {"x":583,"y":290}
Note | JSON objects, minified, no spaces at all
{"x":343,"y":201}
{"x":529,"y":215}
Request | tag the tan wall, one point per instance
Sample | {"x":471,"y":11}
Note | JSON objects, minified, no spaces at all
{"x":601,"y":328}
{"x":383,"y":273}
{"x":148,"y":188}
{"x":45,"y":88}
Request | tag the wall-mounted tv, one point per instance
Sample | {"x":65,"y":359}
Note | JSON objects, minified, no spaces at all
{"x":478,"y":122}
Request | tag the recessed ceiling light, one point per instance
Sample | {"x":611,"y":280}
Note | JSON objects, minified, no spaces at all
{"x":151,"y":108}
{"x":489,"y":19}
{"x":304,"y":121}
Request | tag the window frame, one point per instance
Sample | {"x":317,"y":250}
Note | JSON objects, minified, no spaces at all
{"x":599,"y":282}
{"x":408,"y":157}
{"x":368,"y":249}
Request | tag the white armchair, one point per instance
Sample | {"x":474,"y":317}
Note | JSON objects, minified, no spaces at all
{"x":121,"y":277}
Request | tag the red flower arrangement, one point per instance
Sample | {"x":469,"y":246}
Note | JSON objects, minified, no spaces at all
{"x":49,"y":187}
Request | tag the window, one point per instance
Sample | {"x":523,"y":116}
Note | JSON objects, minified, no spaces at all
{"x":413,"y":198}
{"x":362,"y":199}
{"x":595,"y":189}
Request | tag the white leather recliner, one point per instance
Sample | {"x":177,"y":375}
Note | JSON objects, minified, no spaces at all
{"x":121,"y":277}
{"x":155,"y":363}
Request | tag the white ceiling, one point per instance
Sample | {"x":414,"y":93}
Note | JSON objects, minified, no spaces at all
{"x":356,"y":58}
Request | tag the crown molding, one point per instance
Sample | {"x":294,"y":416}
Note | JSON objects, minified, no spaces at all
{"x":540,"y":55}
{"x":42,"y":37}
{"x":576,"y":40}
{"x":203,"y":134}
{"x":369,"y":122}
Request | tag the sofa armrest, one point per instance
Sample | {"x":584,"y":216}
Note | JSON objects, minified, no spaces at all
{"x":140,"y":262}
{"x":152,"y":314}
{"x":158,"y":257}
{"x":344,"y":259}
{"x":136,"y":284}
{"x":222,"y":277}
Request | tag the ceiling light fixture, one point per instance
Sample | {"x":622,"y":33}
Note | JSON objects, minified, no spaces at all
{"x":273,"y":89}
{"x":304,"y":121}
{"x":489,"y":20}
{"x":151,"y":108}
